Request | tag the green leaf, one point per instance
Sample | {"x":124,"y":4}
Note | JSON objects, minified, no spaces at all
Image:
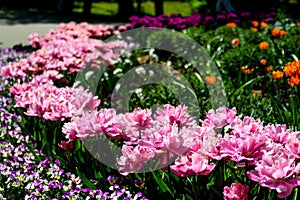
{"x":88,"y":183}
{"x":295,"y":57}
{"x":282,"y":116}
{"x":77,"y":145}
{"x":162,"y":185}
{"x":240,"y":90}
{"x":98,"y":174}
{"x":295,"y":194}
{"x":80,"y":157}
{"x":175,"y":177}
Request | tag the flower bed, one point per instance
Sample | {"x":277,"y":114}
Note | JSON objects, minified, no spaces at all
{"x":178,"y":22}
{"x":248,"y":148}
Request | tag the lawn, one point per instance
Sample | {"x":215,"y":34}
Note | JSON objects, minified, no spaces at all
{"x":147,"y":7}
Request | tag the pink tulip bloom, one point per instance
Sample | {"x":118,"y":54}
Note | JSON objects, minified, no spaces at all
{"x":236,"y":191}
{"x":134,"y":124}
{"x":52,"y":75}
{"x":249,"y":148}
{"x":278,"y":134}
{"x":108,"y":123}
{"x":91,"y":124}
{"x":235,"y":42}
{"x":138,"y":118}
{"x":277,"y":170}
{"x":170,"y":115}
{"x":66,"y":145}
{"x":52,"y":103}
{"x":34,"y":40}
{"x":293,"y":145}
{"x":134,"y":158}
{"x":71,"y":129}
{"x":194,"y":163}
{"x":247,"y":126}
{"x":219,"y":118}
{"x":13,"y":69}
{"x":164,"y":136}
{"x":18,"y":89}
{"x":174,"y":141}
{"x":82,"y":127}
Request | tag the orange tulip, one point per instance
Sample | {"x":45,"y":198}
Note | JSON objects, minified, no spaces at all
{"x":292,"y":69}
{"x":276,"y":32}
{"x":269,"y":68}
{"x":263,"y":61}
{"x":263,"y":25}
{"x":254,"y":29}
{"x":246,"y":70}
{"x":294,"y":81}
{"x":263,"y":45}
{"x":255,"y":23}
{"x":231,"y":25}
{"x":282,"y":32}
{"x":210,"y":79}
{"x":277,"y":74}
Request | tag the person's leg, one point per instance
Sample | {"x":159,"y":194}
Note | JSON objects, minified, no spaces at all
{"x":219,"y":5}
{"x":59,"y":5}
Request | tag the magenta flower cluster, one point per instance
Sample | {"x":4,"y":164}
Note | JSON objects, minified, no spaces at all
{"x":174,"y":21}
{"x":178,"y":22}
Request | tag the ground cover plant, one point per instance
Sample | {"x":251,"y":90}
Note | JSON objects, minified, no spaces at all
{"x":246,"y":149}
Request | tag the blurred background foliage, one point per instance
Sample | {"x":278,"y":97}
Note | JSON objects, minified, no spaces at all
{"x":122,"y":9}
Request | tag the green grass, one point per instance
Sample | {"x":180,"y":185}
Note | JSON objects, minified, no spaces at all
{"x":147,"y":7}
{"x":183,"y":8}
{"x":98,"y":8}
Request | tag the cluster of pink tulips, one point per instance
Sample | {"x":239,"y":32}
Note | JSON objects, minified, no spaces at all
{"x":272,"y":151}
{"x":68,"y":48}
{"x":42,"y":98}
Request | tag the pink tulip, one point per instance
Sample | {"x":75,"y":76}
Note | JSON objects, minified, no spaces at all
{"x":66,"y":145}
{"x":170,"y":115}
{"x":248,"y":148}
{"x":92,"y":123}
{"x":278,"y":134}
{"x":134,"y":158}
{"x":236,"y":191}
{"x":277,"y":170}
{"x":138,"y":118}
{"x":235,"y":42}
{"x":293,"y":145}
{"x":219,"y":118}
{"x":194,"y":163}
